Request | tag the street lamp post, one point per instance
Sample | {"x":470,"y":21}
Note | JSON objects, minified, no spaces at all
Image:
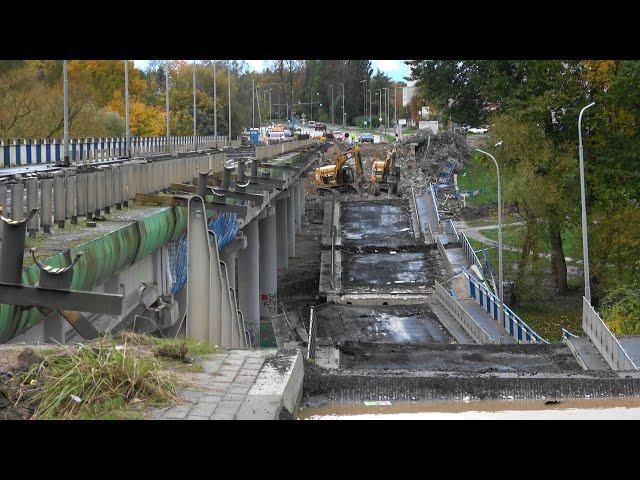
{"x":344,"y":118}
{"x":215,"y":107}
{"x":229,"y":95}
{"x":195,"y":146}
{"x":65,"y":104}
{"x":500,"y":271}
{"x":166,"y":89}
{"x":370,"y":110}
{"x":127,"y":137}
{"x":364,"y":85}
{"x":332,"y":119}
{"x":585,"y":245}
{"x":253,"y":103}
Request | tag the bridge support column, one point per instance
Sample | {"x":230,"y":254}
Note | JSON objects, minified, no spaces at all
{"x":291,"y":224}
{"x":268,"y":277}
{"x":248,"y":281}
{"x":295,"y":189}
{"x":282,"y":237}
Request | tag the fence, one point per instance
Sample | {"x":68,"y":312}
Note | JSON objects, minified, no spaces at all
{"x":511,"y":322}
{"x":605,"y":341}
{"x":470,"y":253}
{"x":20,"y":152}
{"x":66,"y":195}
{"x":461,"y":315}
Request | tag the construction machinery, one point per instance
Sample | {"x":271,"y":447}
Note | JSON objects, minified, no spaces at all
{"x":385,"y":175}
{"x":340,"y":176}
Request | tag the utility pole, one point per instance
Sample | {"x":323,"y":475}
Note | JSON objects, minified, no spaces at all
{"x":166,"y":89}
{"x":215,"y":106}
{"x":65,"y":102}
{"x":364,"y":111}
{"x":344,"y":116}
{"x":370,"y":111}
{"x":253,"y":103}
{"x":195,"y":146}
{"x":270,"y":121}
{"x":395,"y":105}
{"x":127,"y":137}
{"x":229,"y":95}
{"x":332,"y":119}
{"x":585,"y":240}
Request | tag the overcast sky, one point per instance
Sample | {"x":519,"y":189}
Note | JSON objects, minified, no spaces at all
{"x":396,"y":69}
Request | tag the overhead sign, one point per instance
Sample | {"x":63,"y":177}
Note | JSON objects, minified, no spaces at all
{"x":402,"y":121}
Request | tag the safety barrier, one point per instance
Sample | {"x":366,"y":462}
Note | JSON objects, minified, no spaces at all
{"x":65,"y":195}
{"x":605,"y":341}
{"x":20,"y":152}
{"x":461,"y":315}
{"x":450,"y":229}
{"x":470,"y":253}
{"x":435,"y":204}
{"x":511,"y":322}
{"x":270,"y":151}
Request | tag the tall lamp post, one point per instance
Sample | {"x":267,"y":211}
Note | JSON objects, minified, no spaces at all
{"x":229,"y":95}
{"x":344,"y":116}
{"x":500,"y":272}
{"x":364,"y":110}
{"x":332,"y":120}
{"x":127,"y":137}
{"x":195,"y":146}
{"x":166,"y":98}
{"x":585,"y":245}
{"x":215,"y":107}
{"x":65,"y":104}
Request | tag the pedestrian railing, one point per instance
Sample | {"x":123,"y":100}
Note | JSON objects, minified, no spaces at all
{"x":450,"y":229}
{"x":605,"y":342}
{"x":470,"y":253}
{"x":21,"y":152}
{"x":311,"y":343}
{"x":461,"y":315}
{"x":435,"y":204}
{"x":512,"y":323}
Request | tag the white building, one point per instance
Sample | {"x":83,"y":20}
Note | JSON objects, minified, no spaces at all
{"x":408,"y":92}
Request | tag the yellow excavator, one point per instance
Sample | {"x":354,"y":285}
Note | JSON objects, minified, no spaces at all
{"x":340,"y":176}
{"x":385,"y":175}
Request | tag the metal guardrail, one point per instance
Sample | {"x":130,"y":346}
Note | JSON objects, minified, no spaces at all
{"x":450,"y":229}
{"x":470,"y":252}
{"x":461,"y":315}
{"x":435,"y":205}
{"x":605,"y":342}
{"x":23,"y":152}
{"x":313,"y":330}
{"x":511,"y":322}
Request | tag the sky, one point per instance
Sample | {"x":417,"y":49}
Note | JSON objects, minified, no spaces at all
{"x":396,"y":69}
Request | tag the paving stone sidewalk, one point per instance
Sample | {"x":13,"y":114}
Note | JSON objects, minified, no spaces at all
{"x":218,"y":392}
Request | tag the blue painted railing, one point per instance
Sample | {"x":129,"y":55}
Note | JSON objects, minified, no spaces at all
{"x":512,"y":323}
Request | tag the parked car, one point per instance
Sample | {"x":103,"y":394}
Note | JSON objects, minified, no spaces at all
{"x":320,"y":127}
{"x":312,"y":123}
{"x":365,"y":137}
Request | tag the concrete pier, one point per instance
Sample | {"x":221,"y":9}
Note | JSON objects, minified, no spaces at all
{"x":282,"y":238}
{"x":295,"y":192}
{"x":268,"y":276}
{"x":291,"y":224}
{"x":248,"y":280}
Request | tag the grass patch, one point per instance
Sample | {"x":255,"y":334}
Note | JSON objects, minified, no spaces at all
{"x":476,"y":175}
{"x":514,"y":236}
{"x":169,"y":347}
{"x":100,"y":380}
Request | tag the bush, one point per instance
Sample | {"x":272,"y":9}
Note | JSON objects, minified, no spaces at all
{"x":621,"y":310}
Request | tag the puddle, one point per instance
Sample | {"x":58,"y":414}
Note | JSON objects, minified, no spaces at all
{"x":616,"y":408}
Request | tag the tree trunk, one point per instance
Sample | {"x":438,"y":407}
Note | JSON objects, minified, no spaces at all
{"x":557,"y":255}
{"x":523,"y":262}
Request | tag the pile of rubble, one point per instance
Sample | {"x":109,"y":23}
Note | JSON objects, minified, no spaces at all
{"x":433,"y":155}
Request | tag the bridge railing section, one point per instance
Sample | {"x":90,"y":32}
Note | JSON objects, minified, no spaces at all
{"x":512,"y":323}
{"x":470,"y":253}
{"x":451,"y":230}
{"x":435,"y":204}
{"x":21,"y":152}
{"x":605,"y":341}
{"x":270,"y":151}
{"x":461,"y":315}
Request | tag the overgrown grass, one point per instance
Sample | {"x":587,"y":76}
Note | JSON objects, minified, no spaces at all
{"x":169,"y":345}
{"x":476,"y":175}
{"x":101,"y":380}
